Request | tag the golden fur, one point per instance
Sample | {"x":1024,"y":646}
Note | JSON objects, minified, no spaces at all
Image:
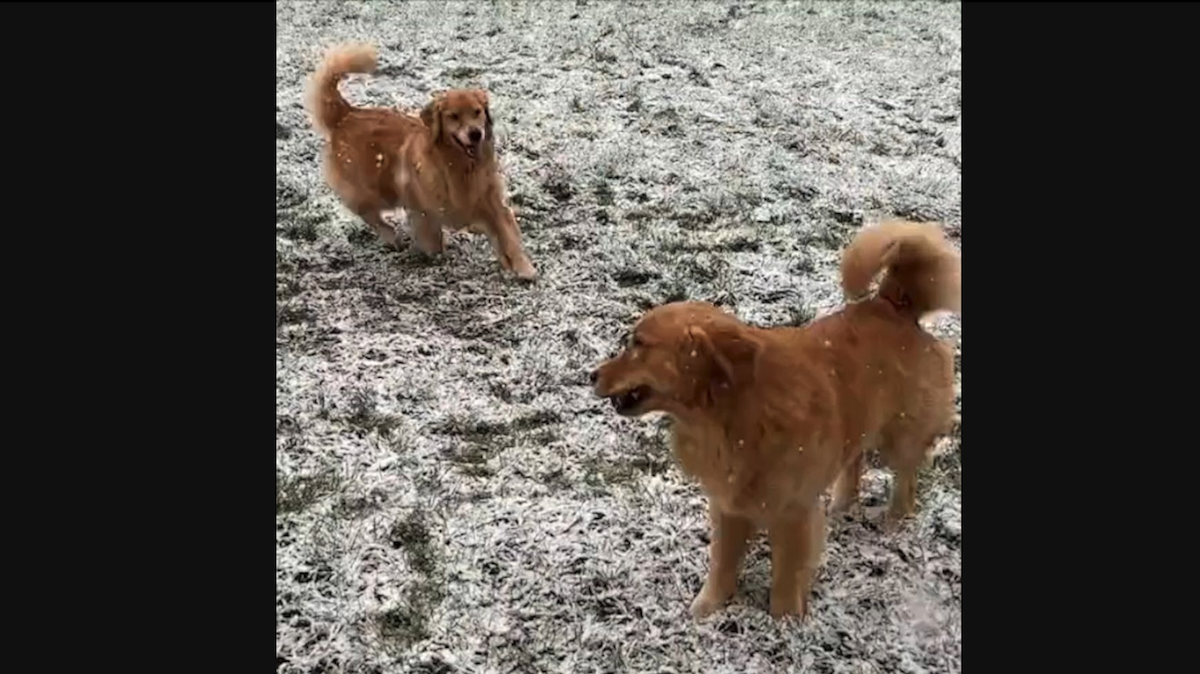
{"x":440,"y":167}
{"x":767,"y":418}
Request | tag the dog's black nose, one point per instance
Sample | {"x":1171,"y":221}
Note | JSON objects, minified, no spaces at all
{"x":475,"y":135}
{"x":595,"y":374}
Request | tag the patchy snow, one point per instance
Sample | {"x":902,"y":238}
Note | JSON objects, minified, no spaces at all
{"x":449,"y":495}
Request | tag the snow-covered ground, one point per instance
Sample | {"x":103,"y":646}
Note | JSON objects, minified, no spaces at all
{"x":449,"y":495}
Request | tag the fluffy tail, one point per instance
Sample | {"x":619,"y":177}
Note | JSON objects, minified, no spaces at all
{"x":324,"y":101}
{"x":923,"y":271}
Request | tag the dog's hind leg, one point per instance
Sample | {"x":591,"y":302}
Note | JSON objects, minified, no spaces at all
{"x":904,"y":493}
{"x":845,"y":489}
{"x":905,"y":451}
{"x":908,"y":438}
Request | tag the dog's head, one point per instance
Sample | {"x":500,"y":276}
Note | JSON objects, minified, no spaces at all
{"x":681,"y":358}
{"x":461,"y":118}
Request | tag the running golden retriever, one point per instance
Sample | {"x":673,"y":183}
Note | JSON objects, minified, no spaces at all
{"x":440,"y":167}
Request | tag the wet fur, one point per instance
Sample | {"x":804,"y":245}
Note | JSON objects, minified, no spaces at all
{"x":377,"y":160}
{"x":766,"y":419}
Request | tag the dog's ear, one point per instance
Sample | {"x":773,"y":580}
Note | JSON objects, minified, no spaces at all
{"x":732,"y":355}
{"x":431,"y":116}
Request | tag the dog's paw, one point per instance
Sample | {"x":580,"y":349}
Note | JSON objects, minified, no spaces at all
{"x":526,"y":272}
{"x":707,"y":603}
{"x":520,"y":266}
{"x":702,"y":607}
{"x":852,"y":510}
{"x":788,"y":607}
{"x":893,"y":522}
{"x":427,"y":252}
{"x":898,"y":514}
{"x":388,"y":237}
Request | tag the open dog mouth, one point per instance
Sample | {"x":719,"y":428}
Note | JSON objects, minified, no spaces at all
{"x":468,"y":148}
{"x":629,"y":401}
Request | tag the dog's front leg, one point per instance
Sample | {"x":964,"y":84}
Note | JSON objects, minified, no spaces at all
{"x":385,"y":231}
{"x":726,"y":551}
{"x":427,"y":233}
{"x":797,"y":542}
{"x":506,"y":240}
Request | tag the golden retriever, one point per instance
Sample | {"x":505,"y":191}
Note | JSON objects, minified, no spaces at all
{"x":440,"y":168}
{"x":767,"y":418}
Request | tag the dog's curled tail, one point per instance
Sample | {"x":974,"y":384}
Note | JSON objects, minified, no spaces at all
{"x":923,"y":272}
{"x":324,"y":101}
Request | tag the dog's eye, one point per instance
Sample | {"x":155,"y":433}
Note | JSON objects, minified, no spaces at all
{"x":454,"y":116}
{"x":478,"y":112}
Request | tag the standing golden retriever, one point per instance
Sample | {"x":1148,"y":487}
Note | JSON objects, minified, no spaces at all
{"x":767,"y":419}
{"x":440,"y":168}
